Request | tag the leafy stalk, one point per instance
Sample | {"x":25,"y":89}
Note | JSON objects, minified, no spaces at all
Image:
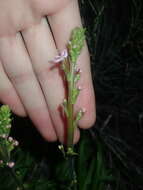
{"x":72,"y":75}
{"x":7,"y":144}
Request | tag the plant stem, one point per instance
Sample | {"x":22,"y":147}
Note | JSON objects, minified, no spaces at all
{"x":70,"y":129}
{"x":71,"y":161}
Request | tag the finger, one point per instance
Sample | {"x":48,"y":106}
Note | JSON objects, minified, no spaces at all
{"x":62,"y":23}
{"x":76,"y":136}
{"x":8,"y":94}
{"x":18,"y":67}
{"x":41,"y":47}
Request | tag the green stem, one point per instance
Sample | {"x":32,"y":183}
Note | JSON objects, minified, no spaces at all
{"x":70,"y":130}
{"x":71,"y":161}
{"x":70,"y":127}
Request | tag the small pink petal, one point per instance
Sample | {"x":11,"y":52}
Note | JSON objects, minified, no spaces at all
{"x":57,"y":59}
{"x":64,"y":53}
{"x":78,"y":70}
{"x":61,"y":57}
{"x":79,"y":88}
{"x":83,"y":110}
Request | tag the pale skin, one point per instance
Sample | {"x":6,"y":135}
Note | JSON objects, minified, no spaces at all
{"x":27,"y":44}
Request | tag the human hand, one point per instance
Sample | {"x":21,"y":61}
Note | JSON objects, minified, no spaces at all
{"x":27,"y":44}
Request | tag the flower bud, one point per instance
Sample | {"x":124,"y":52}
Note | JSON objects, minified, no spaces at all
{"x":4,"y":136}
{"x":10,"y":164}
{"x":8,"y":126}
{"x":79,"y":88}
{"x":16,"y":143}
{"x":10,"y":139}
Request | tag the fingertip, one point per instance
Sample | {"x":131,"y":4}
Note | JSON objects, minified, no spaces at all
{"x":50,"y":137}
{"x":88,"y":120}
{"x":18,"y":108}
{"x":9,"y":97}
{"x":47,"y":133}
{"x":43,"y":123}
{"x":19,"y":111}
{"x":89,"y":116}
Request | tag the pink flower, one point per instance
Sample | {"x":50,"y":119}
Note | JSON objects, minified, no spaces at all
{"x":16,"y":143}
{"x":10,"y":164}
{"x":63,"y":55}
{"x":10,"y":139}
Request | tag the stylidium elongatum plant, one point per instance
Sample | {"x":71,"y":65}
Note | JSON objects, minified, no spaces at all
{"x":7,"y":143}
{"x":68,"y":59}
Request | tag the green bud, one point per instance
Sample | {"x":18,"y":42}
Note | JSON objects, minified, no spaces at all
{"x":6,"y":143}
{"x":75,"y":95}
{"x":5,"y":120}
{"x":77,"y":78}
{"x":65,"y":67}
{"x":79,"y":115}
{"x":61,"y":148}
{"x":70,"y":152}
{"x":76,"y":43}
{"x":65,"y":107}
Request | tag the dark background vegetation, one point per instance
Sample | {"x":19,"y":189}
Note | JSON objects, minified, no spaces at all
{"x":116,"y":45}
{"x":115,"y":38}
